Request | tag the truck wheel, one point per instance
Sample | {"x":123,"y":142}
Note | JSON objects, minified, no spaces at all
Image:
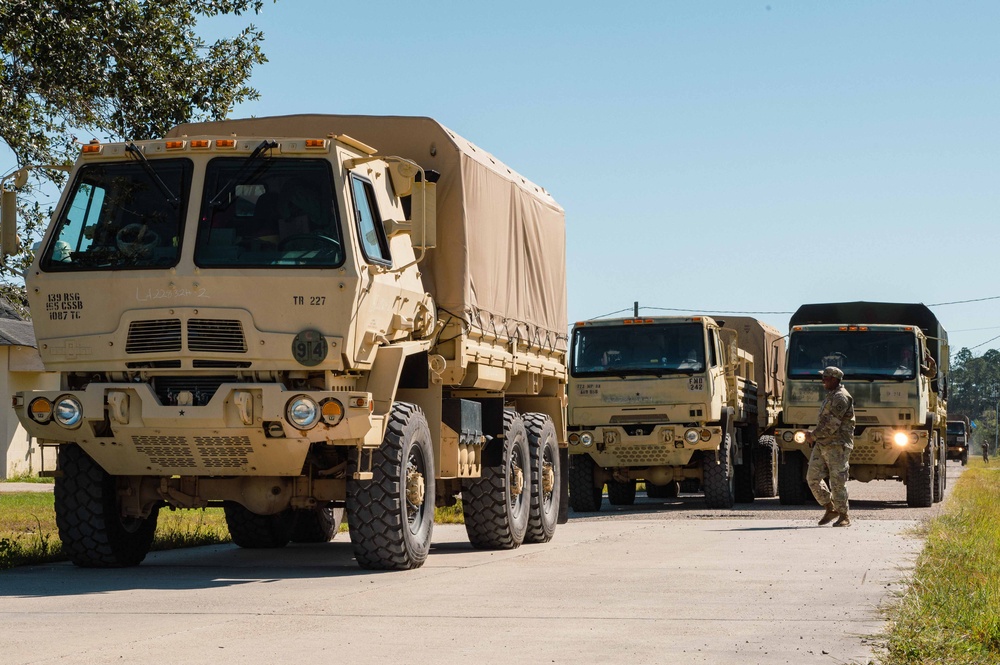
{"x":668,"y":491}
{"x":545,"y":472}
{"x":252,"y":531}
{"x":940,"y":474}
{"x":319,"y":525}
{"x":584,"y":497}
{"x":920,"y":479}
{"x":621,"y":493}
{"x":765,"y":476}
{"x":791,"y":490}
{"x":743,"y":484}
{"x":496,"y":506}
{"x":391,"y":516}
{"x":719,"y":478}
{"x":92,"y":530}
{"x":965,"y":457}
{"x":690,"y":486}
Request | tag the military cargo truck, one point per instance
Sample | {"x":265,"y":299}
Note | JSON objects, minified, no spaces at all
{"x":959,"y":438}
{"x":297,"y":317}
{"x":895,"y":362}
{"x":671,"y":400}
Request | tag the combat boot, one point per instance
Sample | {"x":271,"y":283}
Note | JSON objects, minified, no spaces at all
{"x":843,"y":521}
{"x":830,"y":515}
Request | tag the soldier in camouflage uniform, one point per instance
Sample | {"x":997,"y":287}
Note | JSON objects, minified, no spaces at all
{"x":833,"y":437}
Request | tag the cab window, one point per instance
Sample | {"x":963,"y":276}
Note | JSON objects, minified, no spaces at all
{"x":374,"y":244}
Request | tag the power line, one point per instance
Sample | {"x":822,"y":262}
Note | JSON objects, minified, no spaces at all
{"x":711,"y":311}
{"x":959,"y":302}
{"x":984,"y":343}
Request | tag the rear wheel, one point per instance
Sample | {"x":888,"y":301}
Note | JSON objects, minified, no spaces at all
{"x":497,"y":505}
{"x":544,"y":451}
{"x":93,"y":532}
{"x":318,"y":525}
{"x":391,"y":516}
{"x":718,"y":476}
{"x":668,"y":491}
{"x":621,"y":493}
{"x":940,"y":473}
{"x":252,"y":531}
{"x":765,"y":477}
{"x":920,"y":479}
{"x":584,"y":497}
{"x":792,"y":491}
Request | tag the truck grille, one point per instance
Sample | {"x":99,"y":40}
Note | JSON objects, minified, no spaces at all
{"x":216,"y":336}
{"x":203,"y":335}
{"x":156,"y":336}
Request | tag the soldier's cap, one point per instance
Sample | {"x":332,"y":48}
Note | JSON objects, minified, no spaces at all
{"x":835,"y":372}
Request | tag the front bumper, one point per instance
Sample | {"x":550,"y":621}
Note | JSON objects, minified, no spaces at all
{"x":614,"y":446}
{"x":874,"y":445}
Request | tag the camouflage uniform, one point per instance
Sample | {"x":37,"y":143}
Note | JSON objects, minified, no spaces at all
{"x":831,"y":454}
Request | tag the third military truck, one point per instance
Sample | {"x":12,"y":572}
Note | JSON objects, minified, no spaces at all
{"x":672,"y":401}
{"x":297,"y":317}
{"x":895,"y":361}
{"x":959,"y":439}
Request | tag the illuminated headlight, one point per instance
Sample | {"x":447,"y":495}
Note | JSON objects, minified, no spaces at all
{"x":692,"y":436}
{"x":302,"y":412}
{"x":586,"y":439}
{"x":960,"y":449}
{"x":800,"y":437}
{"x":332,"y":411}
{"x":40,"y":410}
{"x":68,"y":412}
{"x":787,"y":436}
{"x":900,"y":438}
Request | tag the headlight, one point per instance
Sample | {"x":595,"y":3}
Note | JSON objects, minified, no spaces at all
{"x":800,"y":437}
{"x":332,"y":411}
{"x":302,"y":412}
{"x":706,"y":434}
{"x":787,"y":436}
{"x":900,"y":438}
{"x":586,"y":439}
{"x":69,"y":412}
{"x":692,"y":436}
{"x":40,"y":410}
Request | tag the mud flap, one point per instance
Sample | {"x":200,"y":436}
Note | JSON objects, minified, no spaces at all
{"x":563,"y":486}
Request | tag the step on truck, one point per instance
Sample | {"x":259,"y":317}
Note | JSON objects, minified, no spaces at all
{"x":895,"y":362}
{"x":297,"y":318}
{"x":959,"y":435}
{"x":673,"y":401}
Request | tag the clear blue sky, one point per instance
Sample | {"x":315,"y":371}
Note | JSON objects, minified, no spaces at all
{"x":745,"y":156}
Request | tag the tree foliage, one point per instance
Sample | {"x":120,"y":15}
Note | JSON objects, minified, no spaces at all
{"x":975,"y":390}
{"x":122,"y":69}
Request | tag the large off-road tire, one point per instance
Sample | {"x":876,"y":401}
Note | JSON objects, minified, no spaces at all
{"x":545,"y":486}
{"x":719,"y":477}
{"x":257,"y":532}
{"x":319,"y":525}
{"x":920,"y":479}
{"x":965,"y":457}
{"x":690,"y":486}
{"x":668,"y":491}
{"x":92,"y":530}
{"x":940,"y":473}
{"x":621,"y":493}
{"x":792,"y":490}
{"x":584,"y":497}
{"x":765,"y":471}
{"x":497,"y":505}
{"x":391,"y":516}
{"x":743,"y":487}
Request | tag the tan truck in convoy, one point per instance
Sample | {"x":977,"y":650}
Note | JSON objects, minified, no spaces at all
{"x":672,"y":401}
{"x":959,"y":438}
{"x":895,"y":362}
{"x":297,"y":317}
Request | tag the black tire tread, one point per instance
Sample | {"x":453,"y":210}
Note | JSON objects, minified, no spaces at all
{"x":765,"y":479}
{"x":621,"y":493}
{"x":715,"y":476}
{"x":791,"y":488}
{"x":541,"y":433}
{"x":920,"y":479}
{"x":583,"y":496}
{"x":257,"y":532}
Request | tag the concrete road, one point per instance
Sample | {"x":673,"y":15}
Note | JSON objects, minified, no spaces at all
{"x":662,"y":581}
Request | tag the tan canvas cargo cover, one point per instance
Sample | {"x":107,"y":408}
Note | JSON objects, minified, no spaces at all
{"x":500,"y":260}
{"x":767,"y":346}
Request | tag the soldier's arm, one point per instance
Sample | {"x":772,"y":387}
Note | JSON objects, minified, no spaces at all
{"x":832,"y":418}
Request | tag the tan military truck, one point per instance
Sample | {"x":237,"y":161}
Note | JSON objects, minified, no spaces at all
{"x":671,"y":400}
{"x":895,"y":362}
{"x":294,"y":317}
{"x":959,"y":434}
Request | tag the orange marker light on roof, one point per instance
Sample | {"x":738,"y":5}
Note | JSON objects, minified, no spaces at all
{"x":91,"y":149}
{"x":200,"y":143}
{"x":315,"y":143}
{"x":174,"y":145}
{"x":696,"y":318}
{"x":628,"y":322}
{"x":225,"y":143}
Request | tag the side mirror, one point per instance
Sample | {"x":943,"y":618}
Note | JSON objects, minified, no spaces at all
{"x":9,"y":242}
{"x":730,"y":346}
{"x":423,"y":215}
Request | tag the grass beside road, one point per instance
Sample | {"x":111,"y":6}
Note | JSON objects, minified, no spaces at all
{"x":28,"y":533}
{"x":948,"y":616}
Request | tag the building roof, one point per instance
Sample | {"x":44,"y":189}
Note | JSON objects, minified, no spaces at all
{"x":15,"y":331}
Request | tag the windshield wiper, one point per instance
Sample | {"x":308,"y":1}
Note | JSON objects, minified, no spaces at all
{"x":220,"y":196}
{"x":134,"y":150}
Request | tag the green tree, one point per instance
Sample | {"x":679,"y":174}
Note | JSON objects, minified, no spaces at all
{"x":120,"y":70}
{"x":975,"y":389}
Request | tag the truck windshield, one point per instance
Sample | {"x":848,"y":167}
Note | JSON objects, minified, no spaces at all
{"x":118,"y":218}
{"x":861,"y":355}
{"x":956,"y":428}
{"x":657,"y":349}
{"x":279,"y":212}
